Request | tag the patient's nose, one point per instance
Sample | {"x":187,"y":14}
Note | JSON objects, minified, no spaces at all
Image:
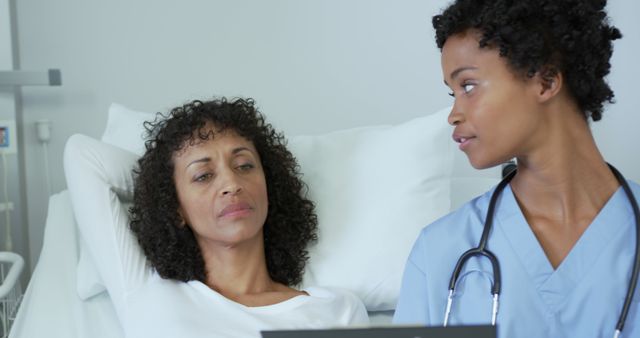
{"x":230,"y":183}
{"x":231,"y":189}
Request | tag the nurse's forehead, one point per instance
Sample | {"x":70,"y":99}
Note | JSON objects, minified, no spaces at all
{"x":456,"y":72}
{"x":465,"y":55}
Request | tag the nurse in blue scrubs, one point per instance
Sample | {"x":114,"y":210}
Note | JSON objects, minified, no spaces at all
{"x":527,"y":77}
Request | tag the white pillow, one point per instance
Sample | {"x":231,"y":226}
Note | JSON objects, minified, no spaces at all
{"x":125,"y":128}
{"x":374,"y":189}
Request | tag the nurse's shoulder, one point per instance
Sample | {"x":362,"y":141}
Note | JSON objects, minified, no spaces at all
{"x":635,"y":188}
{"x":458,"y":230}
{"x":468,"y":217}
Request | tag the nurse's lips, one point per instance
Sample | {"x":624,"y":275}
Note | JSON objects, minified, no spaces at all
{"x":235,"y":209}
{"x":463,"y":140}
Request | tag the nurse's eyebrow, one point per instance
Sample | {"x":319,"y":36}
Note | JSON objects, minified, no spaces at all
{"x":457,"y":72}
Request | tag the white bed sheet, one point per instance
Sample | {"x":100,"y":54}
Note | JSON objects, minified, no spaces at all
{"x":51,"y":307}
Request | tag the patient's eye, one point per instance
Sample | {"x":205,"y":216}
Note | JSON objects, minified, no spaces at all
{"x":203,"y":177}
{"x":245,"y":167}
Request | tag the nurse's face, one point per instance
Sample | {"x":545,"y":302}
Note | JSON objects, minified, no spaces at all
{"x":221,"y":189}
{"x":494,"y":109}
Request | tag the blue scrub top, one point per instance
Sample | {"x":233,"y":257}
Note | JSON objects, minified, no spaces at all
{"x":583,"y":297}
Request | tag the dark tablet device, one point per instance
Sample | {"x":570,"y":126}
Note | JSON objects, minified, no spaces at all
{"x":484,"y":331}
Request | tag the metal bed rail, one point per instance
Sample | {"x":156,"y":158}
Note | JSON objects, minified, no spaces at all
{"x":11,"y":266}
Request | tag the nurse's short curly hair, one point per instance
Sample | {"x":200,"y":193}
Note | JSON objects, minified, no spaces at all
{"x":572,"y":37}
{"x":171,"y":247}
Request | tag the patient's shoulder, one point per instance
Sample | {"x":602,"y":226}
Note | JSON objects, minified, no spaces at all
{"x":341,"y":303}
{"x":332,"y":294}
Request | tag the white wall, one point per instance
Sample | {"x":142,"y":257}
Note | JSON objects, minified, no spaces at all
{"x":312,"y":66}
{"x":617,"y":132}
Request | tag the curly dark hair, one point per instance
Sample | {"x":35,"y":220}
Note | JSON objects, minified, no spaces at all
{"x":171,"y":247}
{"x":572,"y":37}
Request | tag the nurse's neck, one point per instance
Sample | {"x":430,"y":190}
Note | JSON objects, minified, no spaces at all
{"x":563,"y":181}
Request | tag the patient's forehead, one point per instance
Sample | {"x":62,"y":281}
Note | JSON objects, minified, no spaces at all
{"x":201,"y":138}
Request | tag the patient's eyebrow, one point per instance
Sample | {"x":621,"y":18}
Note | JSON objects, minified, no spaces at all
{"x":200,"y":160}
{"x":239,"y":149}
{"x":208,"y":159}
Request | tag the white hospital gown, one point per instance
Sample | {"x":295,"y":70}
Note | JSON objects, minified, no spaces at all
{"x":150,"y":306}
{"x":582,"y":298}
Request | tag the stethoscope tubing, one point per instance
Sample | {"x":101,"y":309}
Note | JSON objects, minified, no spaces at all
{"x":482,"y":251}
{"x":636,"y":265}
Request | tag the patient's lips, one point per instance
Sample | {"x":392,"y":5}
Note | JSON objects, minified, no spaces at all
{"x":463,"y":140}
{"x":236,"y":210}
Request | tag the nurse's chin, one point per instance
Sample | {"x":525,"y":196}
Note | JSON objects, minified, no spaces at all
{"x":480,"y":163}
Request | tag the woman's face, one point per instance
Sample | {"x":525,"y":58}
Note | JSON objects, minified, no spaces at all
{"x":221,"y":189}
{"x":494,"y":112}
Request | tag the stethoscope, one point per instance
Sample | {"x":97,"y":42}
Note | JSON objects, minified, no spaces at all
{"x":482,"y":251}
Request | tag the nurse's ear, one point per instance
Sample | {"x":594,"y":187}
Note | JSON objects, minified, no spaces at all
{"x":549,"y":81}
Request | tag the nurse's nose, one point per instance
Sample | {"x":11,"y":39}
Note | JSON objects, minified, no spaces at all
{"x":455,"y":116}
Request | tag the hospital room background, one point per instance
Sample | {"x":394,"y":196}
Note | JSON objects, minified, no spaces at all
{"x":312,"y":67}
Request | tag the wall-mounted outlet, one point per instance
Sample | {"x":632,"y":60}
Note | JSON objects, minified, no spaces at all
{"x":8,"y":143}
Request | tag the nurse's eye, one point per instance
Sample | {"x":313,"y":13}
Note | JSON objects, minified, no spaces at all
{"x":468,"y":87}
{"x":452,"y":94}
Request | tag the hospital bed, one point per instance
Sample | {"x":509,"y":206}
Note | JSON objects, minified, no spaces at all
{"x":394,"y":180}
{"x":11,"y":266}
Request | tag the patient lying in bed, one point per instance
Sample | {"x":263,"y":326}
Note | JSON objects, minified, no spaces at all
{"x":218,"y":232}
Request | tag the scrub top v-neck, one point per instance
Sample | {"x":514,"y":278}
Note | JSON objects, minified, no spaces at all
{"x":582,"y":297}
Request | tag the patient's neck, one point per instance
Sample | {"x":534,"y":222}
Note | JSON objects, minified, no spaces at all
{"x":238,"y":268}
{"x":239,"y":272}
